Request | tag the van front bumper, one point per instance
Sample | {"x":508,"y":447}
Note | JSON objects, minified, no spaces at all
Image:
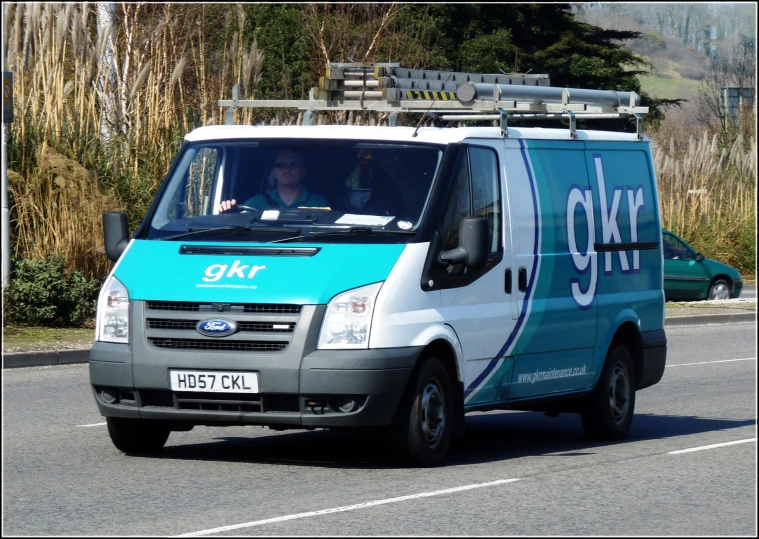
{"x":335,"y":388}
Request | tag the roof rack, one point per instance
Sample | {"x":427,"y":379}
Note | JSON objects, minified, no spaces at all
{"x":453,"y":96}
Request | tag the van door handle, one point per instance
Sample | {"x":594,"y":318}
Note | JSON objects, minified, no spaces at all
{"x":507,"y":283}
{"x":522,"y":284}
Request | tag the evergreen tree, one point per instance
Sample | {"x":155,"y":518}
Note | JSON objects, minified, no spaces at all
{"x":489,"y":38}
{"x":544,"y":38}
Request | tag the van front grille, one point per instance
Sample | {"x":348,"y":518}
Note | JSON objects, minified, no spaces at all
{"x":213,"y":344}
{"x":267,"y":308}
{"x":247,"y":251}
{"x":223,"y":402}
{"x":268,"y":327}
{"x":227,"y":402}
{"x":261,"y":327}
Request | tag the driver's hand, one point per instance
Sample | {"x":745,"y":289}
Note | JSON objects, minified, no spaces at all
{"x":226,"y":205}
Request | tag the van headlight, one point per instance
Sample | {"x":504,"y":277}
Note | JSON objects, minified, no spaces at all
{"x":113,"y":313}
{"x":349,"y":318}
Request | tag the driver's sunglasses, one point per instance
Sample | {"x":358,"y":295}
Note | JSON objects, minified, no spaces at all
{"x":289,"y":164}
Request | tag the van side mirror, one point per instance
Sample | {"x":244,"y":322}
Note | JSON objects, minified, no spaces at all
{"x":699,"y":257}
{"x":472,"y":250}
{"x":116,"y":233}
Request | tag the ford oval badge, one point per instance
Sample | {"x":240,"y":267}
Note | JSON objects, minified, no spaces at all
{"x":216,"y":327}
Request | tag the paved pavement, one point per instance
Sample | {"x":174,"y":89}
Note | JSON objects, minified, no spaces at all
{"x":710,"y":312}
{"x":749,"y":291}
{"x":687,"y":468}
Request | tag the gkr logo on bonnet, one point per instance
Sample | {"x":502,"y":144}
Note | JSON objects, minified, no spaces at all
{"x":216,"y":327}
{"x":217,"y":271}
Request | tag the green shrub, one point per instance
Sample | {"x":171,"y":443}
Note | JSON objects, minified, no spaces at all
{"x":42,"y":293}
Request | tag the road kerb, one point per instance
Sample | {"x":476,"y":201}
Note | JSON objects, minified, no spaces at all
{"x":43,"y":359}
{"x":29,"y":359}
{"x":73,"y":356}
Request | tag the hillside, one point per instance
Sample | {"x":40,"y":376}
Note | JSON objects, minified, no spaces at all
{"x":677,"y":69}
{"x":680,"y":40}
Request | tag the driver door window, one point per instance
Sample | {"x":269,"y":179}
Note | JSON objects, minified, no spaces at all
{"x":476,"y":192}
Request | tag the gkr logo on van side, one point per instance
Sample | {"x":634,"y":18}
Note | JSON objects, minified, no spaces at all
{"x":216,"y":327}
{"x":584,"y":256}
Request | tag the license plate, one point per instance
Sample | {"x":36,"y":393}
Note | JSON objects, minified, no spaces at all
{"x":214,"y":382}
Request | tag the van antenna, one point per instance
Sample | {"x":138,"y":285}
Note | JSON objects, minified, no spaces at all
{"x":431,"y":105}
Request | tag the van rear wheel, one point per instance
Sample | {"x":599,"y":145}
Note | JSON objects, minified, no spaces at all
{"x":137,"y":435}
{"x":422,"y":429}
{"x":609,"y":408}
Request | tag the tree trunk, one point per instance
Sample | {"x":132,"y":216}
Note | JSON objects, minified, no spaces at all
{"x":108,"y":81}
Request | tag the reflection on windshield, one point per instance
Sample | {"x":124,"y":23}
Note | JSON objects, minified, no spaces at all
{"x":276,"y":182}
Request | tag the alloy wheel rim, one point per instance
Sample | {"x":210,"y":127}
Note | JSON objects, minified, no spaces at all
{"x":433,"y":413}
{"x":619,"y":393}
{"x":720,"y":292}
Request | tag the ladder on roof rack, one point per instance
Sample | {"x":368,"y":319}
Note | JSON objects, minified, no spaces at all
{"x":453,"y":96}
{"x":394,"y":83}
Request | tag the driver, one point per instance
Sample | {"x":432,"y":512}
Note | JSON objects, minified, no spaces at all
{"x":289,"y":171}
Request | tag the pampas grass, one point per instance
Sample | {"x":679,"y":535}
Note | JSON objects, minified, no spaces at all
{"x":707,"y":194}
{"x":161,"y":88}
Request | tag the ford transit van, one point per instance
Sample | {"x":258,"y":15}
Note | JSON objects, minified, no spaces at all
{"x":419,"y":275}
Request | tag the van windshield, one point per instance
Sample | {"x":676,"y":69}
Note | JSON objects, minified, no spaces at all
{"x":247,"y":189}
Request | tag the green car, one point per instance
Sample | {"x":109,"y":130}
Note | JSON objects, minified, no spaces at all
{"x":690,"y":275}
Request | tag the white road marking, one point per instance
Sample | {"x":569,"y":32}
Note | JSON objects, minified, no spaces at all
{"x":347,"y":508}
{"x":93,"y":425}
{"x":712,"y":446}
{"x":716,"y":361}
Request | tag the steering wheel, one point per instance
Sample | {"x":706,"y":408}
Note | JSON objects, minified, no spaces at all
{"x":237,"y":208}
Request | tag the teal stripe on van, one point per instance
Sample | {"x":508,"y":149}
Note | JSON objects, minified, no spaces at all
{"x":155,"y":270}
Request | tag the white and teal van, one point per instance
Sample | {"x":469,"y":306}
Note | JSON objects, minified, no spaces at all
{"x":452,"y":270}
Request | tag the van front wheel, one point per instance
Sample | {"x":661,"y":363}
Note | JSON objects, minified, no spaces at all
{"x":609,"y":408}
{"x":422,"y":429}
{"x":137,"y":435}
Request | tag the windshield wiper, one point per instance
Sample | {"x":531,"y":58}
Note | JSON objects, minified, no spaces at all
{"x":353,"y":231}
{"x":233,"y":228}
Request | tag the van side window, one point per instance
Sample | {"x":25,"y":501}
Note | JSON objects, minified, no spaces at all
{"x":486,"y":192}
{"x":475,"y":195}
{"x":476,"y":192}
{"x":459,"y":206}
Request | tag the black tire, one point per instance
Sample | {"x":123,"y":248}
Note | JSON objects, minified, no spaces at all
{"x":421,"y":432}
{"x":719,"y":288}
{"x":137,"y":435}
{"x":608,"y":410}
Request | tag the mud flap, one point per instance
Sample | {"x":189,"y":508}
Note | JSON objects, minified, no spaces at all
{"x":459,"y":424}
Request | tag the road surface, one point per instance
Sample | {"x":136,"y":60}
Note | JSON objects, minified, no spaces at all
{"x":688,"y":466}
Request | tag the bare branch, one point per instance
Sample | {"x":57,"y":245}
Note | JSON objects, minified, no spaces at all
{"x":321,"y":42}
{"x":385,"y":20}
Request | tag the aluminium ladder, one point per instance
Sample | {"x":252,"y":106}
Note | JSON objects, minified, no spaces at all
{"x":453,"y":96}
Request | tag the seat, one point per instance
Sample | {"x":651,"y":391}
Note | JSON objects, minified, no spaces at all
{"x":375,"y":192}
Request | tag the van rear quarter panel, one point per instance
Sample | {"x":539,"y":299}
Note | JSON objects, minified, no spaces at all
{"x":589,"y":193}
{"x":630,"y":282}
